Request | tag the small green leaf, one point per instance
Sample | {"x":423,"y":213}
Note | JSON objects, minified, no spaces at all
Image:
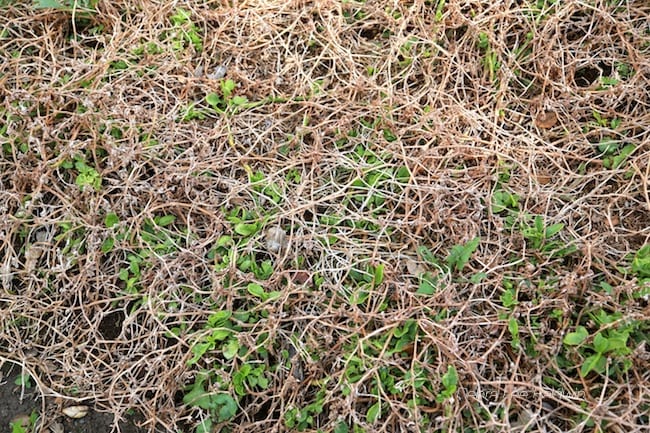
{"x":165,"y":220}
{"x":227,"y":88}
{"x":427,"y":285}
{"x":460,"y":254}
{"x":257,"y":290}
{"x":379,"y":275}
{"x":594,"y":362}
{"x":478,"y":277}
{"x":374,"y":413}
{"x":107,"y":245}
{"x":509,"y":298}
{"x":23,"y":380}
{"x":641,"y":262}
{"x":341,"y":427}
{"x":553,"y":229}
{"x":123,"y":275}
{"x":213,"y":99}
{"x":199,"y":350}
{"x":224,"y":240}
{"x":427,"y":255}
{"x":228,"y":406}
{"x":246,"y":229}
{"x":513,"y":327}
{"x":220,"y":334}
{"x":231,"y":348}
{"x":47,"y":4}
{"x":205,"y":426}
{"x":601,"y":343}
{"x":239,"y":100}
{"x":111,"y":219}
{"x":503,"y":200}
{"x":577,"y":337}
{"x":450,"y":379}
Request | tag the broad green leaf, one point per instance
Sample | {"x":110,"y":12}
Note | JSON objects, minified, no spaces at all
{"x":46,"y":4}
{"x":553,"y":229}
{"x":427,"y":285}
{"x":111,"y":219}
{"x":617,"y":341}
{"x":199,"y":350}
{"x":218,"y":318}
{"x":239,"y":100}
{"x":228,"y":406}
{"x":256,"y":290}
{"x":577,"y":337}
{"x":427,"y":255}
{"x":231,"y":348}
{"x":600,"y":343}
{"x":450,"y":379}
{"x":213,"y":99}
{"x":107,"y":245}
{"x":374,"y":413}
{"x":220,"y":334}
{"x":246,"y":229}
{"x":165,"y":220}
{"x":595,"y":362}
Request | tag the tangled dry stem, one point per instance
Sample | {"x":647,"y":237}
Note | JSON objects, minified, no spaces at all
{"x":459,"y":126}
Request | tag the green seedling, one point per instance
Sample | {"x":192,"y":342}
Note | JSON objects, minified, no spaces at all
{"x":220,"y":405}
{"x":603,"y":345}
{"x":509,"y":296}
{"x":538,"y":234}
{"x":297,"y":419}
{"x":227,"y":101}
{"x":610,"y":342}
{"x":513,"y":328}
{"x":222,"y":334}
{"x":259,"y":292}
{"x":24,"y":424}
{"x":250,"y":376}
{"x":373,"y":413}
{"x":267,"y":189}
{"x":449,"y":384}
{"x":185,"y":31}
{"x":641,"y":262}
{"x":111,"y":220}
{"x":503,"y":201}
{"x":24,"y":380}
{"x":490,"y":58}
{"x":460,"y":254}
{"x":87,"y":176}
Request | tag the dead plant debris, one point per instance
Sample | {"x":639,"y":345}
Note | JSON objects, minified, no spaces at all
{"x":452,"y":266}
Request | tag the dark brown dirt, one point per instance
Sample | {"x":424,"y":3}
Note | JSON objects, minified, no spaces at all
{"x":17,"y":403}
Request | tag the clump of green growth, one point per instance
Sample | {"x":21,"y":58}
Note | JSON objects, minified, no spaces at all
{"x":86,"y":176}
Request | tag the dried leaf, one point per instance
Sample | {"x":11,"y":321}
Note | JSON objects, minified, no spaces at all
{"x":546,"y":119}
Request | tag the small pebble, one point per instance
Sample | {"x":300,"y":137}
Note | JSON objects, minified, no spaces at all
{"x":276,"y":239}
{"x":219,"y":72}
